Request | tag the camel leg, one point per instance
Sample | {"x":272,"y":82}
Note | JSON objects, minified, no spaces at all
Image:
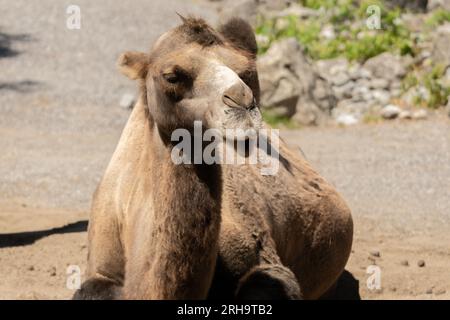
{"x":105,"y":272}
{"x":269,"y":282}
{"x":98,"y":288}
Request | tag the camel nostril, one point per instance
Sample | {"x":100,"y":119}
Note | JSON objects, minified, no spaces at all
{"x":229,"y":101}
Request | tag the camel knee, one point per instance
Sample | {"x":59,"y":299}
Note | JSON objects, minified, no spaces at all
{"x":98,"y":288}
{"x":274,"y":282}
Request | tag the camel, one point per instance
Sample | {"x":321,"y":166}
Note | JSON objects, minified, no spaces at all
{"x":160,"y":230}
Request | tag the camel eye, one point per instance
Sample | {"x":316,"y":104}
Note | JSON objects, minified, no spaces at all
{"x":171,"y":77}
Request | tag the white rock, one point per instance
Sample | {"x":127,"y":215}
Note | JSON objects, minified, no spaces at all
{"x":127,"y":101}
{"x":327,"y":32}
{"x":340,"y":79}
{"x":405,"y":114}
{"x":390,"y":111}
{"x":382,"y":96}
{"x":388,"y":66}
{"x":346,"y":119}
{"x":420,"y":114}
{"x":379,"y":83}
{"x":344,"y":91}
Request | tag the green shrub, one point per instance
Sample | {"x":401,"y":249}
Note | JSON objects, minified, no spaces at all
{"x":437,"y":18}
{"x":430,"y":80}
{"x":353,"y":39}
{"x":278,"y":121}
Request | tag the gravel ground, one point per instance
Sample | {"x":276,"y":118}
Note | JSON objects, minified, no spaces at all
{"x":60,"y":91}
{"x":60,"y":122}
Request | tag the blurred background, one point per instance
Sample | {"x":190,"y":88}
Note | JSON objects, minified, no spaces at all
{"x":361,"y":86}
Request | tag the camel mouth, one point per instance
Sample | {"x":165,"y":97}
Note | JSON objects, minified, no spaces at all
{"x":242,"y":123}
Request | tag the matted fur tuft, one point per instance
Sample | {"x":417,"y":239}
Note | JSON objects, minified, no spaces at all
{"x":197,"y":30}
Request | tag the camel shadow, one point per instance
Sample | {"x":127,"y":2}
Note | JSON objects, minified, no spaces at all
{"x":20,"y":86}
{"x":6,"y":41}
{"x":27,"y":238}
{"x":347,"y":288}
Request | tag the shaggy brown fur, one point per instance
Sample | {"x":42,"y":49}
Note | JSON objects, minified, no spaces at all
{"x":164,"y":231}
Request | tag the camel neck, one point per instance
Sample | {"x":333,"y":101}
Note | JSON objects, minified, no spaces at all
{"x":187,"y":205}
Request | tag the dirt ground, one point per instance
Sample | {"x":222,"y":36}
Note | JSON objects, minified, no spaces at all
{"x":38,"y":243}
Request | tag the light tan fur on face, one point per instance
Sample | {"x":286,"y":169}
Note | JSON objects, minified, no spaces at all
{"x":164,"y":231}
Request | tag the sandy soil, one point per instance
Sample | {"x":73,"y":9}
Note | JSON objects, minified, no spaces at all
{"x":38,"y":269}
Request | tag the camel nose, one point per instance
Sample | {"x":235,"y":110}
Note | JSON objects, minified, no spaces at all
{"x":239,"y":96}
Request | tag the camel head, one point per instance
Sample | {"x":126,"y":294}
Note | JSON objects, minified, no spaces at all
{"x":196,"y":73}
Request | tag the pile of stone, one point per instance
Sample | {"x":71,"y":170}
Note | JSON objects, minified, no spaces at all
{"x":363,"y":88}
{"x":291,"y":87}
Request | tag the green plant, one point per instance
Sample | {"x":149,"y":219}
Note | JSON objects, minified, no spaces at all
{"x":352,"y":39}
{"x":429,"y":80}
{"x":278,"y":121}
{"x":438,"y":17}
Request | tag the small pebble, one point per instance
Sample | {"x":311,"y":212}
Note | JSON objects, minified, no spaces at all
{"x":30,"y":268}
{"x":420,"y":114}
{"x":440,"y":291}
{"x":375,"y":253}
{"x":404,"y":263}
{"x":52,"y":271}
{"x":421,"y":263}
{"x":429,"y":291}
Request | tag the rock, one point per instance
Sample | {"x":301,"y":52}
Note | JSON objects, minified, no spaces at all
{"x":328,"y":32}
{"x":382,"y":96}
{"x":348,"y":106}
{"x":362,"y":94}
{"x":419,"y":114}
{"x":127,"y":101}
{"x":440,"y":291}
{"x":438,"y":4}
{"x":346,"y":119}
{"x":429,"y":291}
{"x":340,"y":79}
{"x":421,"y":263}
{"x":52,"y":271}
{"x":375,"y":253}
{"x":379,"y":83}
{"x":30,"y":268}
{"x":388,"y":66}
{"x":441,"y":45}
{"x":413,"y":5}
{"x":390,"y":111}
{"x":405,"y":114}
{"x":404,"y":263}
{"x":330,"y":67}
{"x":289,"y":81}
{"x":344,"y":91}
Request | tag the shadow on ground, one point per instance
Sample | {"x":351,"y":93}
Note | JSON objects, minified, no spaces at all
{"x":6,"y":42}
{"x":20,"y":86}
{"x":26,"y":238}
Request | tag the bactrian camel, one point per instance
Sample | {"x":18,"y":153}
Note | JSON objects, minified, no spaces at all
{"x":160,"y":230}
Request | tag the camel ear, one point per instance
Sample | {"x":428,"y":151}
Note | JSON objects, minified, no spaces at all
{"x":133,"y":64}
{"x":241,"y":34}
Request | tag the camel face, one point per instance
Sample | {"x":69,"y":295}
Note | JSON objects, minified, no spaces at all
{"x":195,"y":73}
